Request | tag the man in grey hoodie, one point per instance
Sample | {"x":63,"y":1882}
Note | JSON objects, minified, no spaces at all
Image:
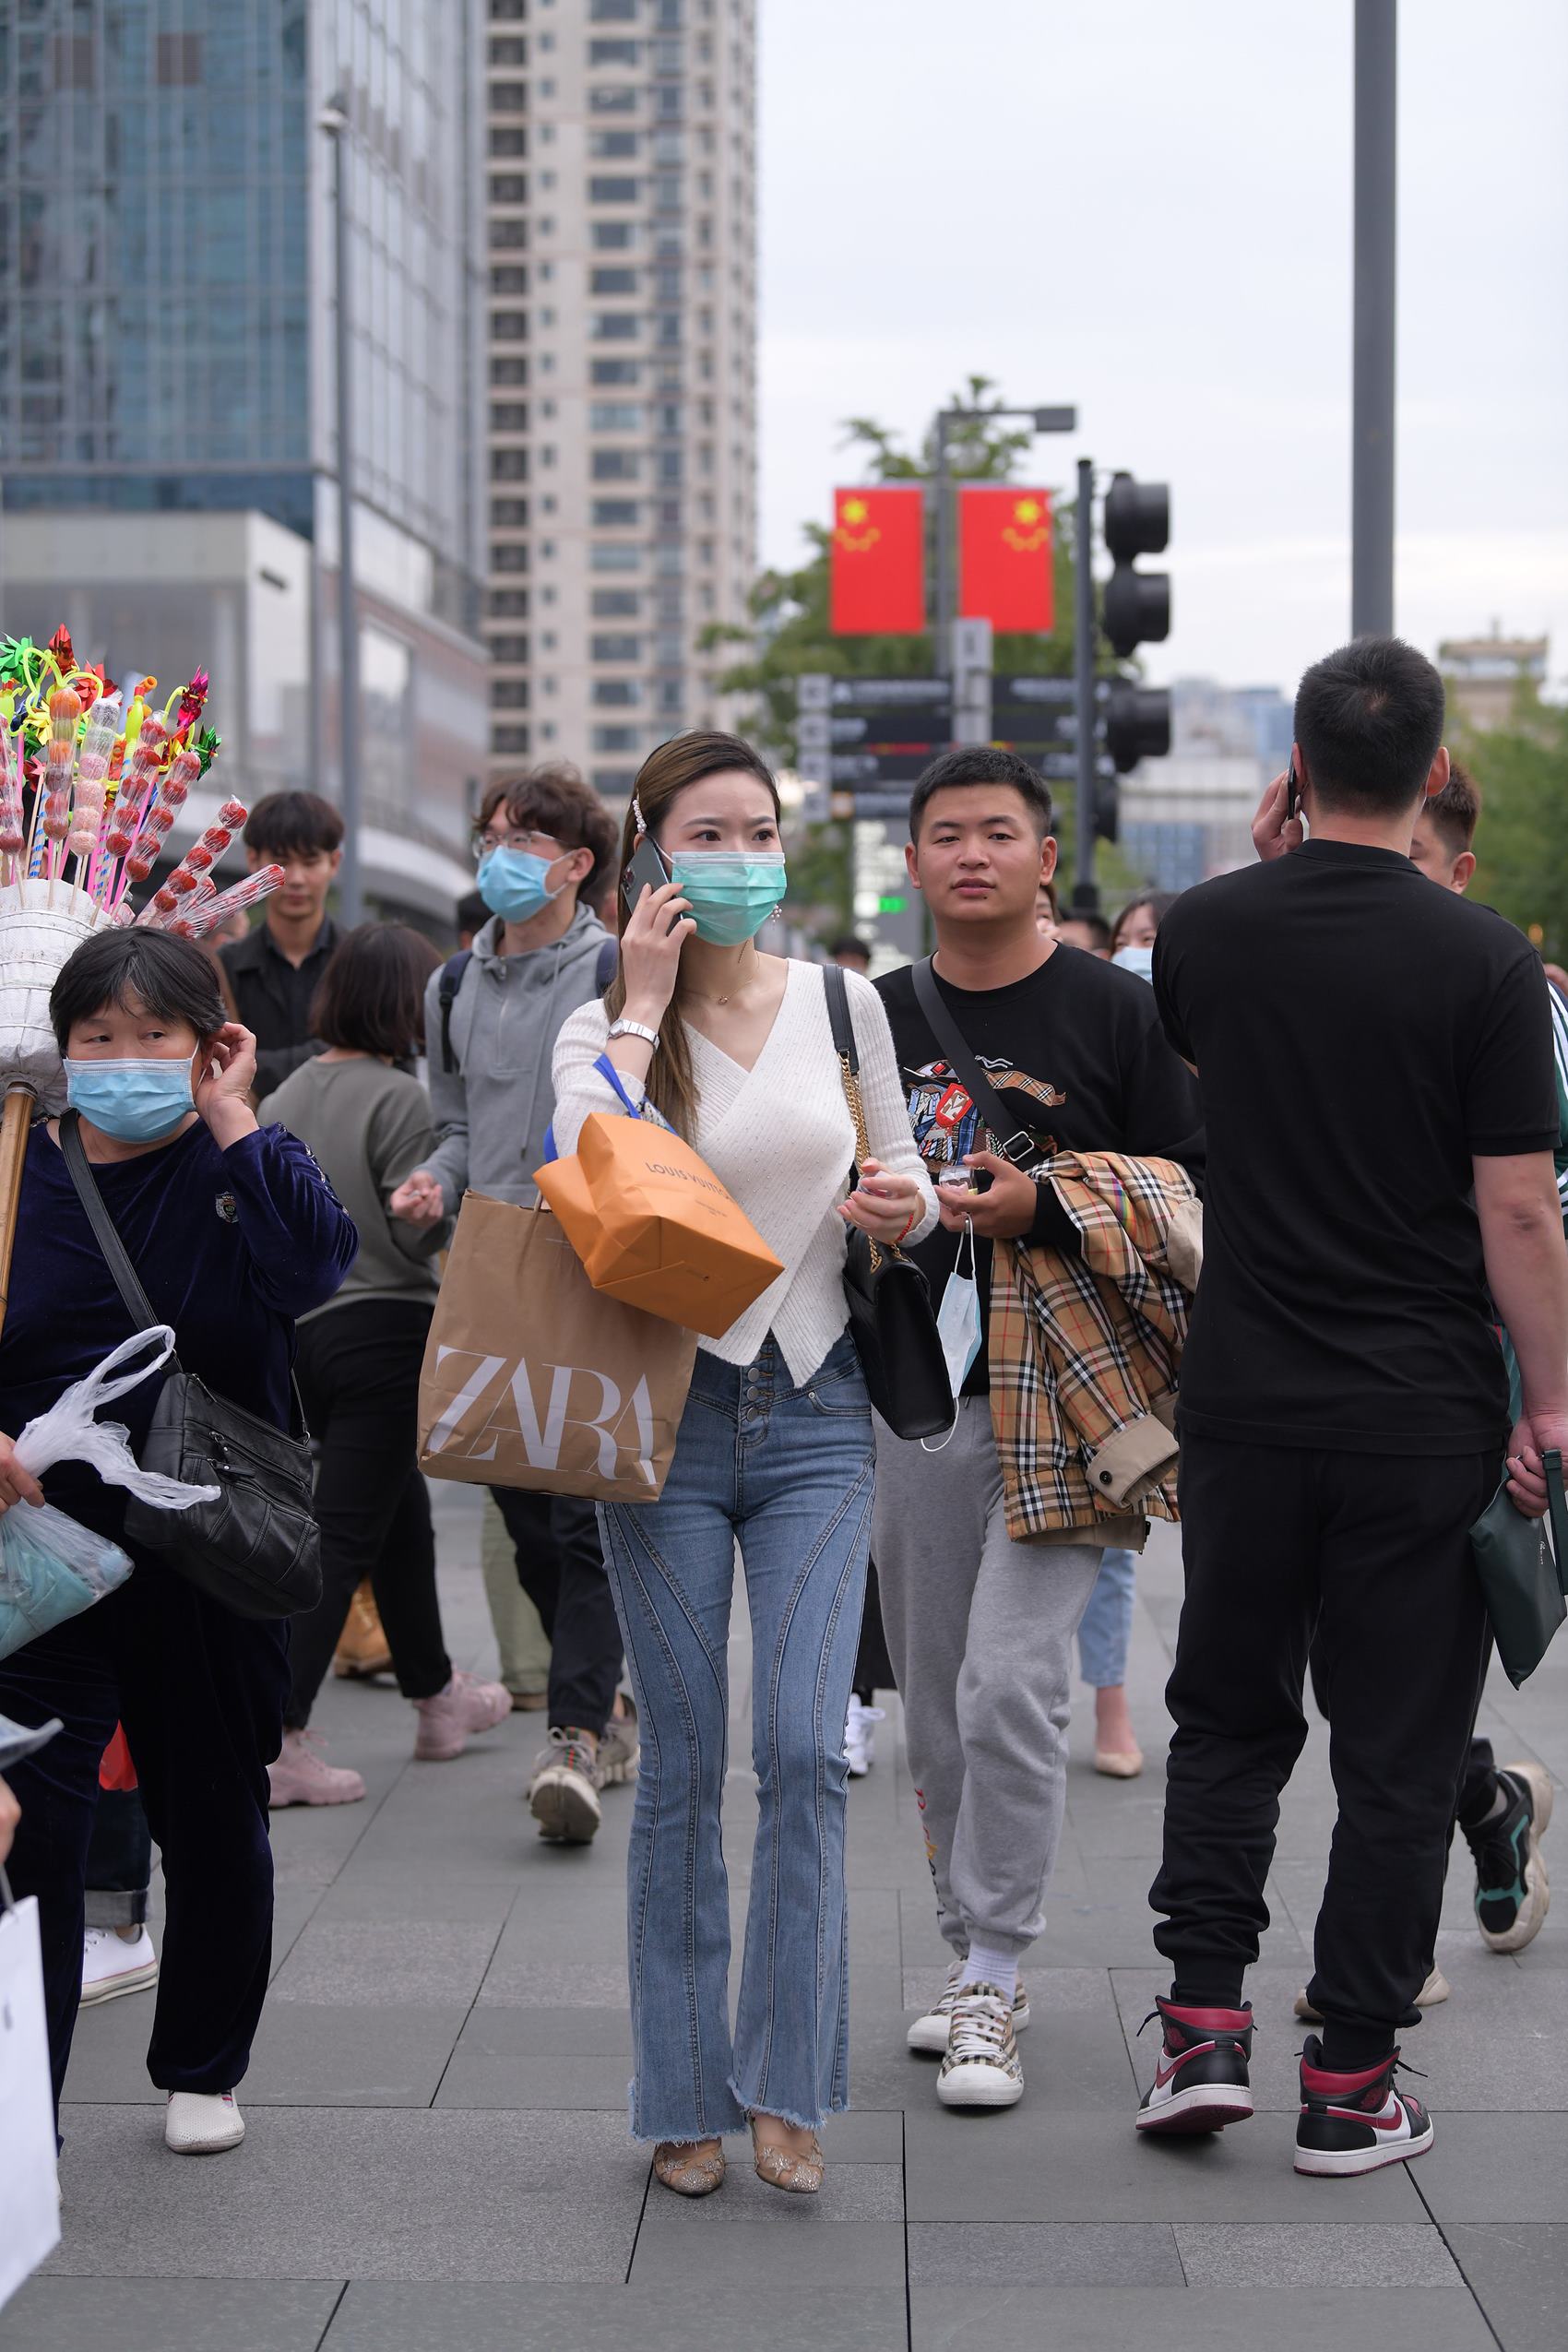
{"x":492,"y":1017}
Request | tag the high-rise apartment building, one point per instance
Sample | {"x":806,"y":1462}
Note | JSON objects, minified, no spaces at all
{"x":168,"y":435}
{"x":622,"y":207}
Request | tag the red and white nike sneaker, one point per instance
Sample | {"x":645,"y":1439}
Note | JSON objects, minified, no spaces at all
{"x":1201,"y":2081}
{"x":1356,"y":2122}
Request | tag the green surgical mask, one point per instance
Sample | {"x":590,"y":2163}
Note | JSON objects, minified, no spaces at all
{"x":732,"y":892}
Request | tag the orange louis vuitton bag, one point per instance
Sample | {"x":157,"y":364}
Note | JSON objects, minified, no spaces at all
{"x":654,"y":1228}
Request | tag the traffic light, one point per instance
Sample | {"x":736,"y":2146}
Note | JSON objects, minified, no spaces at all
{"x":1137,"y":724}
{"x":1106,"y":809}
{"x":1136,"y":606}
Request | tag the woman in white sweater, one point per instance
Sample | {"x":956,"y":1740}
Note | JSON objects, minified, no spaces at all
{"x":733,"y":1047}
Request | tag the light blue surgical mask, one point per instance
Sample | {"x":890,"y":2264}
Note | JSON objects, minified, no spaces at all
{"x":515,"y":885}
{"x":732,"y":892}
{"x":135,"y":1100}
{"x":1136,"y":959}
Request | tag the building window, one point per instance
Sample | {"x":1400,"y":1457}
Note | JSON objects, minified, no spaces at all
{"x":508,"y":187}
{"x":507,"y":556}
{"x":510,"y":236}
{"x":614,"y":98}
{"x":616,"y":416}
{"x":509,"y":142}
{"x":616,"y":326}
{"x":509,"y":371}
{"x":509,"y":278}
{"x":509,"y":50}
{"x":616,"y":53}
{"x":613,"y":647}
{"x":179,"y":62}
{"x":507,"y":604}
{"x":508,"y":514}
{"x":616,"y":465}
{"x":616,"y":739}
{"x":603,"y":190}
{"x":508,"y":98}
{"x":616,"y":694}
{"x":512,"y":740}
{"x":613,"y":237}
{"x":616,"y":604}
{"x":613,"y":146}
{"x":613,"y":281}
{"x":509,"y":465}
{"x":509,"y":327}
{"x":616,"y":372}
{"x":615,"y":513}
{"x":612,"y":556}
{"x":612,"y":12}
{"x":509,"y":649}
{"x":508,"y":694}
{"x":615,"y":783}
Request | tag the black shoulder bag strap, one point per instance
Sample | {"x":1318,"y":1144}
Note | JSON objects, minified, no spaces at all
{"x":1015,"y":1142}
{"x":446,"y":989}
{"x":103,"y":1223}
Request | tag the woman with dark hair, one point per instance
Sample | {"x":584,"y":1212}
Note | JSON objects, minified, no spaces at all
{"x":734,"y":1049}
{"x":366,"y":1116}
{"x":233,"y":1231}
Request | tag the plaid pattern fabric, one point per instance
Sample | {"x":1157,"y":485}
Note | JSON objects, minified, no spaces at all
{"x":1081,"y":1346}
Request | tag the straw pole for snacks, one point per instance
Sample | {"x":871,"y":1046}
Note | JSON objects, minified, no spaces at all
{"x":16,"y":1118}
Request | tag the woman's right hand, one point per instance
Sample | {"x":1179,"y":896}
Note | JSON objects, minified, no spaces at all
{"x":16,"y":1485}
{"x":650,"y":950}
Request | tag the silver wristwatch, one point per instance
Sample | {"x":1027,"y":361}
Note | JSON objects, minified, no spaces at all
{"x":634,"y":1029}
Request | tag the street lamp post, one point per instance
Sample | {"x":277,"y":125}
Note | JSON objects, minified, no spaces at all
{"x":1372,"y":372}
{"x":1044,"y":420}
{"x":334,"y":121}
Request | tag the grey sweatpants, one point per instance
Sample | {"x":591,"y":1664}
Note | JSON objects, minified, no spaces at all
{"x":979,"y":1630}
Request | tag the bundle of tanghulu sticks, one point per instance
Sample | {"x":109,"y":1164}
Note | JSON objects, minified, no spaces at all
{"x":91,"y":786}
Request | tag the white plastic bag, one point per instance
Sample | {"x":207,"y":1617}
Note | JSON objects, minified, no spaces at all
{"x":51,"y":1567}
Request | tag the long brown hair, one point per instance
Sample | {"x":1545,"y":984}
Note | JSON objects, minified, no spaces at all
{"x":684,"y":759}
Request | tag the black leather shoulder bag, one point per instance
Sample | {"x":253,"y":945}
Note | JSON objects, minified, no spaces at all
{"x":257,"y":1548}
{"x":891,"y":1318}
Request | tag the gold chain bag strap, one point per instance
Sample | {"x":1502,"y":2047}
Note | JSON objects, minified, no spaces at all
{"x":891,"y":1318}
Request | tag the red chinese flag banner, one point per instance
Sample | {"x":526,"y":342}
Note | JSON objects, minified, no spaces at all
{"x":1005,"y":557}
{"x":877,"y":576}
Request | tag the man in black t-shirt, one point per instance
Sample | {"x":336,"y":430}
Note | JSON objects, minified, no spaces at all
{"x":1374,"y":1058}
{"x":981,"y":1624}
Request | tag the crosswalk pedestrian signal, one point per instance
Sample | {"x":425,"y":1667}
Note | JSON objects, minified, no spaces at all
{"x":1135,"y":609}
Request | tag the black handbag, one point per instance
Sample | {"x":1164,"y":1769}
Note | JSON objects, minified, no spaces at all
{"x":257,"y":1548}
{"x":1521,"y":1581}
{"x":891,"y":1318}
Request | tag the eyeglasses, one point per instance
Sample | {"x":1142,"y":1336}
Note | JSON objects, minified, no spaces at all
{"x":534,"y":843}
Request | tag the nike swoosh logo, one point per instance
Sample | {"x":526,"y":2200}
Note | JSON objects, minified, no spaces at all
{"x":1381,"y":2122}
{"x":1163,"y":2074}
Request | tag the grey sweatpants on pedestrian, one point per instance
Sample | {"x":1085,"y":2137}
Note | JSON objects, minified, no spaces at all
{"x":979,"y":1630}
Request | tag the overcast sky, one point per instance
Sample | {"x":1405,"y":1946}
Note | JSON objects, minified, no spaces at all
{"x":1143,"y":206}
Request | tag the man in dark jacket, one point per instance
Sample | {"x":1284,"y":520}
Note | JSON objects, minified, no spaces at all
{"x":275,"y":972}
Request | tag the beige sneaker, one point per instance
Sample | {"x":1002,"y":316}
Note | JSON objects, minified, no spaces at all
{"x":619,"y":1751}
{"x":929,"y":2032}
{"x":564,"y":1792}
{"x":302,"y":1776}
{"x":449,"y":1719}
{"x":202,"y":2123}
{"x":1435,"y":1989}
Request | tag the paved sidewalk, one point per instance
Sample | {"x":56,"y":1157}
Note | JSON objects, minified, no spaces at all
{"x":437,"y":2151}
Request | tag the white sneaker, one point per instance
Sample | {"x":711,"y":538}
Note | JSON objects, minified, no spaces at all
{"x":981,"y":2066}
{"x":564,"y":1791}
{"x":112,"y":1966}
{"x":202,"y":2123}
{"x":929,"y":2032}
{"x":859,"y":1736}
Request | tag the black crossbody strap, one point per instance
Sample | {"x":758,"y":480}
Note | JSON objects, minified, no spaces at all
{"x":109,"y":1242}
{"x":1015,"y":1142}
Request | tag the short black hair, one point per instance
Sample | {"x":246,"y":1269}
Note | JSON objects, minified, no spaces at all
{"x":472,"y":914}
{"x":1096,"y":925}
{"x":301,"y":823}
{"x":850,"y":945}
{"x":1456,"y":811}
{"x":370,"y":999}
{"x":1369,"y":720}
{"x":170,"y":978}
{"x":981,"y":764}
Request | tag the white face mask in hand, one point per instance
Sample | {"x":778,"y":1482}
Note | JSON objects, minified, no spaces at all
{"x":959,"y":1327}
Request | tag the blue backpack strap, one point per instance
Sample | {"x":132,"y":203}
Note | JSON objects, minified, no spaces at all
{"x":450,"y":982}
{"x":608,"y":957}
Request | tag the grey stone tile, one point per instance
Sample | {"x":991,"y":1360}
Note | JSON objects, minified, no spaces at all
{"x":528,"y":1982}
{"x":372,"y":2194}
{"x":586,"y":2080}
{"x":1034,"y":2163}
{"x":499,"y":2032}
{"x":421,"y":1964}
{"x":1518,"y":2273}
{"x":168,"y":2314}
{"x":1507,"y":2169}
{"x":1315,"y":2254}
{"x":1201,"y":2319}
{"x":1127,"y":2253}
{"x":865,"y":2135}
{"x":310,"y":2055}
{"x":377,"y":2318}
{"x":770,"y":2250}
{"x":378,"y":1900}
{"x":109,"y":2053}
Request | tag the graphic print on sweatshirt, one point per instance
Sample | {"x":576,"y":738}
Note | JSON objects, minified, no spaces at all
{"x":946,"y":1122}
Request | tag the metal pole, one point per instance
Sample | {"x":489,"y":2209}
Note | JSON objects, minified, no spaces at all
{"x":349,"y":883}
{"x":943,"y":551}
{"x":1372,"y":395}
{"x":1085,"y":894}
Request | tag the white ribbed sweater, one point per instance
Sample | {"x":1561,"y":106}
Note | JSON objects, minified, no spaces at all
{"x":780,"y":1139}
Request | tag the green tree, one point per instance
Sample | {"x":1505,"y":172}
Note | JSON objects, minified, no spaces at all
{"x":1522,"y":842}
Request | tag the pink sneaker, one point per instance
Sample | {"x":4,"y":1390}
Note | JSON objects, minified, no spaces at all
{"x":465,"y":1705}
{"x":302,"y":1776}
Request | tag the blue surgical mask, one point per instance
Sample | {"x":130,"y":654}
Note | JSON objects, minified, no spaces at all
{"x":732,"y":892}
{"x":1136,"y":959}
{"x":514,"y":884}
{"x":135,"y":1100}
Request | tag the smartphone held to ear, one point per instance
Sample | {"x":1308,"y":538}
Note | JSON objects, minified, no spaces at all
{"x":1292,"y":794}
{"x":646,"y":870}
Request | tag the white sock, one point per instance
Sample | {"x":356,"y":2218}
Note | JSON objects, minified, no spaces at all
{"x":998,"y":1968}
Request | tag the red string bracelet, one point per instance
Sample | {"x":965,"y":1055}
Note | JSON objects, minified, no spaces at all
{"x":907,"y":1222}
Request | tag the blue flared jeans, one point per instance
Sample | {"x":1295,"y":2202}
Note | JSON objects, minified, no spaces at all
{"x":787,"y":1471}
